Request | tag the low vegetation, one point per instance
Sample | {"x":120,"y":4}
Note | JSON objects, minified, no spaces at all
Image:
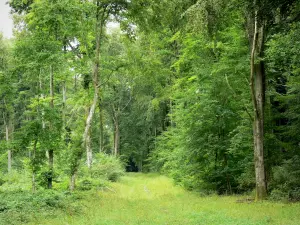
{"x":154,"y":200}
{"x":19,"y":205}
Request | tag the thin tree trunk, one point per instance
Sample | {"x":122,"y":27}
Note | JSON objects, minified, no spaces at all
{"x":51,"y":152}
{"x":74,"y":168}
{"x":155,"y":137}
{"x":257,"y":92}
{"x":88,"y":123}
{"x":171,"y":113}
{"x":98,"y":30}
{"x":9,"y":150}
{"x":33,"y":166}
{"x":73,"y":182}
{"x":51,"y":87}
{"x":50,"y":175}
{"x":89,"y":153}
{"x":101,"y":138}
{"x":116,"y":135}
{"x":117,"y":140}
{"x":9,"y":157}
{"x":33,"y":182}
{"x":75,"y":83}
{"x":42,"y":96}
{"x":64,"y":99}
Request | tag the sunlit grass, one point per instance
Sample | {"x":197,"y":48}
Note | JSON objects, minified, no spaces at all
{"x":152,"y":199}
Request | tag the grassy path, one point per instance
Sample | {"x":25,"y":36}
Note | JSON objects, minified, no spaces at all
{"x":141,"y":199}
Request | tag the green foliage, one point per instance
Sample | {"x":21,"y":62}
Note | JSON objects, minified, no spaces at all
{"x":285,"y":183}
{"x":15,"y":181}
{"x":202,"y":147}
{"x":283,"y":63}
{"x":19,"y":207}
{"x":105,"y":167}
{"x":173,"y":97}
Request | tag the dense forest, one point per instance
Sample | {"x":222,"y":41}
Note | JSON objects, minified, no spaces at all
{"x":206,"y":92}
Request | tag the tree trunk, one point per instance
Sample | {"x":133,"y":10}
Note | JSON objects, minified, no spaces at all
{"x":33,"y":166}
{"x":74,"y":168}
{"x":51,"y":87}
{"x":33,"y":182}
{"x":98,"y":31}
{"x":258,"y":92}
{"x":116,"y":137}
{"x":75,"y":82}
{"x":101,"y":138}
{"x":88,"y":123}
{"x":51,"y":152}
{"x":9,"y":150}
{"x":171,"y":112}
{"x":50,"y":174}
{"x":73,"y":181}
{"x":8,"y":125}
{"x":89,"y":153}
{"x":64,"y":99}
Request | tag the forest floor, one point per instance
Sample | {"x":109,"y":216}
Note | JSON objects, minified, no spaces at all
{"x":144,"y":199}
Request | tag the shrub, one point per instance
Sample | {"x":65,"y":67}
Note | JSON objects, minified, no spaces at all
{"x":286,"y":183}
{"x":278,"y":195}
{"x":18,"y":207}
{"x":16,"y":181}
{"x":85,"y":185}
{"x":2,"y":181}
{"x":107,"y":167}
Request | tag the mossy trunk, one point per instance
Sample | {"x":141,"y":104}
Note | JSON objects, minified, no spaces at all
{"x":257,"y":79}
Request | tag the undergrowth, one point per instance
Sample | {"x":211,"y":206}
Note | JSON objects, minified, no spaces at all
{"x":20,"y":207}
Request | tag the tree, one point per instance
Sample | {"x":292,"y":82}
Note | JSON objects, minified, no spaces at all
{"x":259,"y":24}
{"x":7,"y":94}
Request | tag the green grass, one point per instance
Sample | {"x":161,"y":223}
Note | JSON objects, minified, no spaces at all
{"x":152,"y":199}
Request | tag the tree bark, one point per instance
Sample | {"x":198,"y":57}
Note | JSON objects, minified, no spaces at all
{"x":257,"y":78}
{"x":86,"y":134}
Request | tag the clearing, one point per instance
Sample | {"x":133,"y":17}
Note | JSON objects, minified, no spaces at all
{"x":144,"y":199}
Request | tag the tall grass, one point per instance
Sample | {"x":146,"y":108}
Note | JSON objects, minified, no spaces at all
{"x":140,"y":199}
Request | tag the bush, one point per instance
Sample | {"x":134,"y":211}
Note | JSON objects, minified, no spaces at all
{"x":107,"y":167}
{"x":286,"y":183}
{"x":85,"y":185}
{"x":18,"y":207}
{"x":15,"y":181}
{"x":2,"y":181}
{"x":89,"y":184}
{"x":294,"y":194}
{"x":278,"y":195}
{"x":43,"y":175}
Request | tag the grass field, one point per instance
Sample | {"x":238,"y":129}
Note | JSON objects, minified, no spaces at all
{"x":140,"y":199}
